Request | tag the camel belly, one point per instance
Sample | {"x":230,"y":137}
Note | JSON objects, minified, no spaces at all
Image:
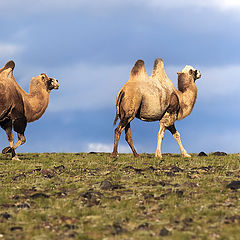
{"x":152,"y":108}
{"x":150,"y":113}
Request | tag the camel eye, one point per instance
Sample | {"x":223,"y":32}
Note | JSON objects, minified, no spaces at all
{"x":43,"y":77}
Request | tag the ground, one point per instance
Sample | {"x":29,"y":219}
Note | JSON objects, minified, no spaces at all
{"x":92,"y":196}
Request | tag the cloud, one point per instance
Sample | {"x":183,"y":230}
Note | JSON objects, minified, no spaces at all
{"x":71,"y":4}
{"x":93,"y":87}
{"x":103,"y":147}
{"x":87,"y":86}
{"x":9,"y":50}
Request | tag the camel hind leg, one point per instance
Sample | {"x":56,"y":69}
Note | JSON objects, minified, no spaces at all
{"x":121,"y":126}
{"x":129,"y":140}
{"x":7,"y":126}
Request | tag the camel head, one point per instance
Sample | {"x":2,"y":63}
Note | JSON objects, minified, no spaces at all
{"x":43,"y":82}
{"x":187,"y":77}
{"x":51,"y":83}
{"x":192,"y":71}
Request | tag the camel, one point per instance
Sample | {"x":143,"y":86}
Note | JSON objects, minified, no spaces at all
{"x":17,"y":108}
{"x":155,"y":98}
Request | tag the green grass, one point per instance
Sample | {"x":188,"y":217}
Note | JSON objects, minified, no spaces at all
{"x":92,"y":196}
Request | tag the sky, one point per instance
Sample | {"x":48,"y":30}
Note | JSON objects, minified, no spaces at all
{"x":91,"y":46}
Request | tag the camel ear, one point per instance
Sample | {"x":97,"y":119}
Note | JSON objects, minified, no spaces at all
{"x":179,"y":73}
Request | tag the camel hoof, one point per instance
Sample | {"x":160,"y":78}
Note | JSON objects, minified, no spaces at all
{"x":114,"y":155}
{"x":15,"y":158}
{"x":187,"y":155}
{"x":7,"y":150}
{"x":158,"y":155}
{"x":136,"y":155}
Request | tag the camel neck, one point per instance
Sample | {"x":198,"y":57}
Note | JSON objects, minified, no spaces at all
{"x":35,"y":104}
{"x":187,"y":101}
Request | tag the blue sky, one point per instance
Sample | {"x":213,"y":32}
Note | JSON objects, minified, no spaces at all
{"x":91,"y":46}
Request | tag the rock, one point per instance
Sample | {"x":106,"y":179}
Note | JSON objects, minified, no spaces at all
{"x":16,"y":228}
{"x":118,"y":229}
{"x":22,"y":205}
{"x":219,"y":153}
{"x":5,"y":215}
{"x":234,"y":185}
{"x":39,"y":195}
{"x":106,"y":185}
{"x":91,"y":198}
{"x":164,"y":232}
{"x":202,"y":154}
{"x":144,"y":226}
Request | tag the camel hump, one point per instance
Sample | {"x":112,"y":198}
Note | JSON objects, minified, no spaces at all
{"x":8,"y":67}
{"x":10,"y":64}
{"x":138,"y":72}
{"x":158,"y":68}
{"x":139,"y":65}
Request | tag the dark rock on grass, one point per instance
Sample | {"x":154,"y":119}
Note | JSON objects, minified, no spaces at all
{"x":144,"y":226}
{"x":234,"y":185}
{"x":118,"y":198}
{"x":202,"y":154}
{"x":22,"y":205}
{"x":232,"y":219}
{"x":179,"y":193}
{"x":5,"y":215}
{"x":39,"y":195}
{"x":60,"y":168}
{"x":219,"y":153}
{"x":118,"y":229}
{"x":48,"y":173}
{"x":176,"y":169}
{"x":164,"y":232}
{"x":108,"y":185}
{"x":71,"y":226}
{"x":91,"y":198}
{"x":187,"y":221}
{"x":16,"y":228}
{"x":148,"y":196}
{"x":21,"y":175}
{"x":170,"y":174}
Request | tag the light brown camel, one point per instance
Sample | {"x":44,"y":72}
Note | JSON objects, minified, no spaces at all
{"x":155,"y":99}
{"x":17,"y":107}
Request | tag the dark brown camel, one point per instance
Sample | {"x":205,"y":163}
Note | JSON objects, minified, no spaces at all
{"x":17,"y":107}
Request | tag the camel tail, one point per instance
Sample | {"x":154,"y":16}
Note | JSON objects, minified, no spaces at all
{"x":119,"y":99}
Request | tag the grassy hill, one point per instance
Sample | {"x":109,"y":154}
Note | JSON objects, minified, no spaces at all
{"x":91,"y":196}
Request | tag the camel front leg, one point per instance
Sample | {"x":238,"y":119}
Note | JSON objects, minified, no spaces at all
{"x":21,"y":140}
{"x":176,"y":135}
{"x":161,"y":133}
